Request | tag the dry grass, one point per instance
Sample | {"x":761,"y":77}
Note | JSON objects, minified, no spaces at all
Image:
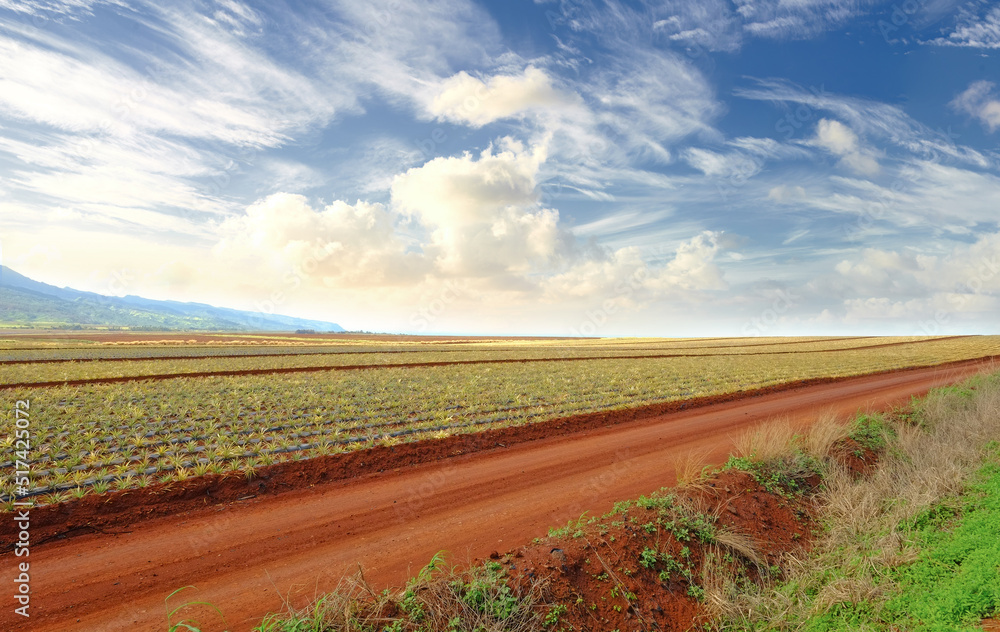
{"x":439,"y":598}
{"x":930,"y":459}
{"x":692,"y":469}
{"x":766,"y":442}
{"x":775,"y":440}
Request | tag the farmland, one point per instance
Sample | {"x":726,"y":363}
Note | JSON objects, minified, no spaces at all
{"x":122,"y":418}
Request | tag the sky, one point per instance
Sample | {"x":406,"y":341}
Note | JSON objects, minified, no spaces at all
{"x":549,"y":167}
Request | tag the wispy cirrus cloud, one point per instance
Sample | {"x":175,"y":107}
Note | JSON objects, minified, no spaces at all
{"x":978,"y":26}
{"x":980,"y":102}
{"x":876,"y":120}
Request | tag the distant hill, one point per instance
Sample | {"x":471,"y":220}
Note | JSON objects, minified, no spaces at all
{"x":25,"y":302}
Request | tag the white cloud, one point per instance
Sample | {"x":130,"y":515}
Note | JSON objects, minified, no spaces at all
{"x":651,"y":99}
{"x":870,"y":119}
{"x":345,"y":245}
{"x":624,"y":277}
{"x":57,"y":8}
{"x":797,"y":19}
{"x":483,"y":213}
{"x":979,"y":102}
{"x":708,"y":25}
{"x":473,"y":219}
{"x":930,"y":291}
{"x":836,"y":137}
{"x":466,"y":99}
{"x":839,"y":140}
{"x":693,"y":267}
{"x":784,"y":194}
{"x":973,"y":30}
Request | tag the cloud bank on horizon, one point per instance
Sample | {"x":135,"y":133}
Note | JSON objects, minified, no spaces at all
{"x":564,"y":167}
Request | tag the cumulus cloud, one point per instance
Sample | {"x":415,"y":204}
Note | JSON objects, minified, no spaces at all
{"x":979,"y":101}
{"x":929,"y":290}
{"x":841,"y":141}
{"x":627,"y":280}
{"x":465,"y":99}
{"x":483,"y":213}
{"x":475,"y":219}
{"x":693,"y":266}
{"x":346,"y":245}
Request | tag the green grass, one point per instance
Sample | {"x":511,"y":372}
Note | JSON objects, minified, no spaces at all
{"x":954,"y":582}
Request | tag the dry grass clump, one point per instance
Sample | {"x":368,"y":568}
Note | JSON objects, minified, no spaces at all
{"x":933,"y":452}
{"x":439,"y":598}
{"x":775,"y":441}
{"x":692,"y":468}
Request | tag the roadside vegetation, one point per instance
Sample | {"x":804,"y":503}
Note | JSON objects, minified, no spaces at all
{"x":913,"y":545}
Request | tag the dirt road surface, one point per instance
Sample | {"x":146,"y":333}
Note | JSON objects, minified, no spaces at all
{"x":248,"y":558}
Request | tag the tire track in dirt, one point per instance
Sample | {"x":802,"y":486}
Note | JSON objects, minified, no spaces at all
{"x":249,"y":557}
{"x":414,"y":365}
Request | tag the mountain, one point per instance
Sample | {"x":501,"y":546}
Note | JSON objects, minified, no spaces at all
{"x":26,"y":302}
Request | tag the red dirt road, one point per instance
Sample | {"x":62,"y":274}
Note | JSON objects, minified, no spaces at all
{"x":246,"y":557}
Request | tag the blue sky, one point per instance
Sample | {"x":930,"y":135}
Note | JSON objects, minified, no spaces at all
{"x":568,"y":167}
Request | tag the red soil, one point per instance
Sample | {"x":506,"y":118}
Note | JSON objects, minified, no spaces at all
{"x":248,"y":556}
{"x":583,"y":569}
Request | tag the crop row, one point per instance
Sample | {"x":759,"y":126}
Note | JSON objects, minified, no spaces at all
{"x":26,"y":353}
{"x":70,"y":370}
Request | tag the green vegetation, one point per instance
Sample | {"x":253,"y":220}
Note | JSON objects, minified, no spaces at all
{"x":20,"y":307}
{"x":439,"y":598}
{"x":911,"y":546}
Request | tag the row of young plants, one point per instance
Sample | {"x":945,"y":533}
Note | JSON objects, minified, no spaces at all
{"x":208,"y":359}
{"x":11,"y":348}
{"x":909,"y":545}
{"x":95,"y":433}
{"x":100,"y":352}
